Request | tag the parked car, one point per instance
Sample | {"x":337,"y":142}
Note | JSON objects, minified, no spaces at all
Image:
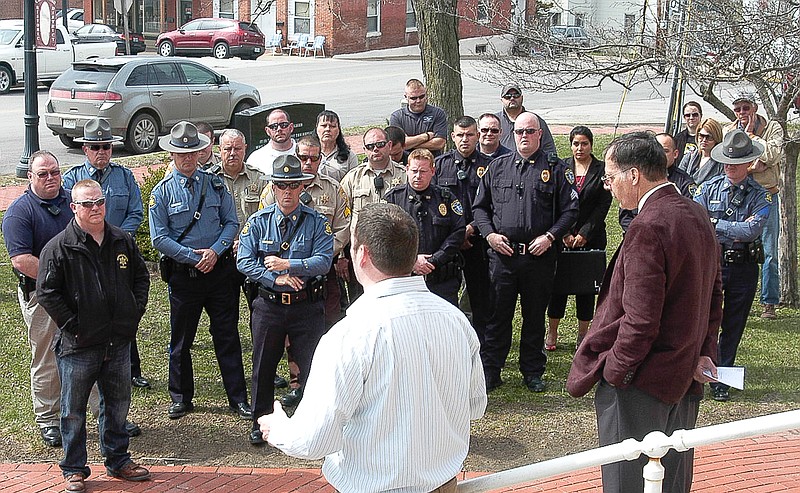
{"x":221,"y":38}
{"x":74,"y":19}
{"x":49,"y":63}
{"x":142,"y":98}
{"x":569,"y":36}
{"x":99,"y":33}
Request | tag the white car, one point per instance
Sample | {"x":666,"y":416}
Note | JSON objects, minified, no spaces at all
{"x":74,"y":19}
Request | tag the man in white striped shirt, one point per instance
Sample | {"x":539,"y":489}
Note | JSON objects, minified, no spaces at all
{"x":393,"y":386}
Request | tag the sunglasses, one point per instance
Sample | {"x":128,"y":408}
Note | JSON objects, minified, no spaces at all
{"x":511,"y":95}
{"x":88,"y":204}
{"x":490,"y":130}
{"x":417,"y":98}
{"x":97,"y":147}
{"x":42,"y":175}
{"x":704,"y":136}
{"x":529,"y":131}
{"x":379,"y":145}
{"x":276,"y":126}
{"x":283,"y":185}
{"x":691,"y":115}
{"x":309,"y":157}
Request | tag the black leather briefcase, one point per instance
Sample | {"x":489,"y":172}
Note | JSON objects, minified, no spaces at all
{"x":579,"y":271}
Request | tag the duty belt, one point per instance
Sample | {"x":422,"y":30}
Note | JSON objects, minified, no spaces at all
{"x":313,"y":292}
{"x":519,"y":248}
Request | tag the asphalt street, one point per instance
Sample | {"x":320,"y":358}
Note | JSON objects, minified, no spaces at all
{"x":364,"y":92}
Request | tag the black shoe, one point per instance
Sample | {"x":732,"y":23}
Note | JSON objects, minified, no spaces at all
{"x":292,"y":398}
{"x":51,"y":436}
{"x":492,"y":382}
{"x":720,"y":394}
{"x":140,"y":382}
{"x":280,"y":382}
{"x":534,"y":383}
{"x":179,"y":409}
{"x":243,"y":410}
{"x":256,"y":438}
{"x":132,"y":429}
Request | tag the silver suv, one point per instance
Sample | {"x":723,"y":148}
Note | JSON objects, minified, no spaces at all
{"x":142,"y":98}
{"x":569,"y":36}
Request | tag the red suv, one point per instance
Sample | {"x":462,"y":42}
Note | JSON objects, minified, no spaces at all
{"x":219,"y":37}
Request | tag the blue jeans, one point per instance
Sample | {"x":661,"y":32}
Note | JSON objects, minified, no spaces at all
{"x":109,"y":366}
{"x":770,"y":278}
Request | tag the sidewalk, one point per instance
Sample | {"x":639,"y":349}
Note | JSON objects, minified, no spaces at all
{"x":759,"y":465}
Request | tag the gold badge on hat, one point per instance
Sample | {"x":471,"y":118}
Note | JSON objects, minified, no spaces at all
{"x":122,"y":260}
{"x":285,"y":169}
{"x":545,"y":175}
{"x":442,"y":209}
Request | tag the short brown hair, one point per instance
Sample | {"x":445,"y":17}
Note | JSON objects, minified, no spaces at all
{"x":421,"y":155}
{"x":390,"y":235}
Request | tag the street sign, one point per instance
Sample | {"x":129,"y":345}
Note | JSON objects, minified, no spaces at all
{"x":119,"y":3}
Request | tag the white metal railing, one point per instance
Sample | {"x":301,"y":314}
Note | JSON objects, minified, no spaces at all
{"x":655,"y":445}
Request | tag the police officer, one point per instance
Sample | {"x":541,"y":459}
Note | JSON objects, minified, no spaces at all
{"x":440,"y":217}
{"x":460,"y":171}
{"x":525,"y":203}
{"x":193,"y":224}
{"x":287,"y":248}
{"x":122,"y":194}
{"x":738,"y":207}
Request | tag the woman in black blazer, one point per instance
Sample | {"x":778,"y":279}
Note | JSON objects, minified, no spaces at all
{"x":589,"y":231}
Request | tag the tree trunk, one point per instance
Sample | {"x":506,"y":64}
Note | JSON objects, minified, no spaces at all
{"x":787,"y":243}
{"x":437,"y":25}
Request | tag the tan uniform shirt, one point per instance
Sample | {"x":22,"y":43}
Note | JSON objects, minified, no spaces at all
{"x":359,"y":184}
{"x":332,"y":168}
{"x":246,"y":190}
{"x":770,"y":135}
{"x":328,"y":199}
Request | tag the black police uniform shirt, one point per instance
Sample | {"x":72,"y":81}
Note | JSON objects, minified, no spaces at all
{"x":735,"y":223}
{"x":525,"y":198}
{"x":440,"y":217}
{"x":462,"y":175}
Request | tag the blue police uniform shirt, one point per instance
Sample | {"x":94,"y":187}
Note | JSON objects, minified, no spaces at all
{"x":310,"y":249}
{"x":746,"y":222}
{"x":172,"y":207}
{"x":431,"y":119}
{"x":465,"y":186}
{"x":516,"y":198}
{"x":123,"y":197}
{"x":30,"y":222}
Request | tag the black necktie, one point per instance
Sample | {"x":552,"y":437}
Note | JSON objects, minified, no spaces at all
{"x":283,"y":225}
{"x":97,"y":175}
{"x":190,"y":186}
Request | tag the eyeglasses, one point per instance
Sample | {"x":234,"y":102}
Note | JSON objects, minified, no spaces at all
{"x":309,"y":157}
{"x":741,"y":109}
{"x":511,"y":95}
{"x":529,"y":131}
{"x":97,"y":147}
{"x":691,"y":115}
{"x":609,"y":178}
{"x":283,"y":185}
{"x":490,"y":130}
{"x":88,"y":204}
{"x":276,"y":126}
{"x":379,"y":145}
{"x":42,"y":175}
{"x":701,"y":136}
{"x":417,"y":98}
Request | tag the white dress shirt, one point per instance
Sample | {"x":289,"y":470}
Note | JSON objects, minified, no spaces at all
{"x":390,"y":394}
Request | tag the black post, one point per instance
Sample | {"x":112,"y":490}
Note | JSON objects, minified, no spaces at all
{"x":31,"y":96}
{"x":64,"y":7}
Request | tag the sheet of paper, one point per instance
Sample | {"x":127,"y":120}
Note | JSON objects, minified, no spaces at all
{"x":729,"y":375}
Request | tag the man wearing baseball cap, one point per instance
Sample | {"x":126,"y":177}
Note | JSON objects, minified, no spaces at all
{"x":286,"y":248}
{"x":738,"y":208}
{"x":766,"y":171}
{"x":193,"y":224}
{"x":511,"y":97}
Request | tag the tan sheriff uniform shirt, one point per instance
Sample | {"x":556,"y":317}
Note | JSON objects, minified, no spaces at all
{"x":359,"y":184}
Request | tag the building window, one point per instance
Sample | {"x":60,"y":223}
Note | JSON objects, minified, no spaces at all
{"x":411,"y":16}
{"x":630,"y":26}
{"x":302,"y":17}
{"x":555,"y":19}
{"x":226,"y":9}
{"x":483,"y":12}
{"x":579,"y":19}
{"x":373,"y":16}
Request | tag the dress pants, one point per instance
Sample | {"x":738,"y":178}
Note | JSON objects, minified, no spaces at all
{"x":270,"y":323}
{"x":476,"y":278}
{"x":218,"y":293}
{"x":739,"y":282}
{"x":630,"y":413}
{"x":531,"y":278}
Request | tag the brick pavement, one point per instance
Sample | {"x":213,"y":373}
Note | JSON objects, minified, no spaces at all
{"x":761,"y":464}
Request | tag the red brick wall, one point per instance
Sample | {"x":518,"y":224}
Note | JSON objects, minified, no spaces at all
{"x":13,"y":9}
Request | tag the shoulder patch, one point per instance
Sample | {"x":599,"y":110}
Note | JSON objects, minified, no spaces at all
{"x":152,"y":201}
{"x":569,"y":175}
{"x":698,"y":191}
{"x":328,"y":230}
{"x":768,"y":197}
{"x":693,"y":189}
{"x":457,"y":207}
{"x":246,"y":229}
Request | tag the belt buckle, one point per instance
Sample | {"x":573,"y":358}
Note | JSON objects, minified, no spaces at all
{"x":522,"y":248}
{"x":286,"y":298}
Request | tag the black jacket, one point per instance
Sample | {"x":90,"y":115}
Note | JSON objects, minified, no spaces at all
{"x":96,"y":295}
{"x":594,"y":201}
